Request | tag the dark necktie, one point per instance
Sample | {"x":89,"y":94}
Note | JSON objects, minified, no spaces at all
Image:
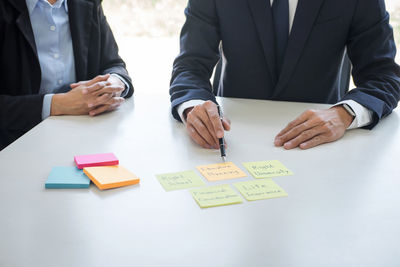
{"x":280,"y":12}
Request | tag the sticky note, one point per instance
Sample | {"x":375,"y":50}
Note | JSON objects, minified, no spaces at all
{"x":221,"y":171}
{"x":107,"y":159}
{"x":67,"y":177}
{"x":213,"y":196}
{"x":260,"y":189}
{"x":107,"y":177}
{"x":179,"y":180}
{"x":267,"y":169}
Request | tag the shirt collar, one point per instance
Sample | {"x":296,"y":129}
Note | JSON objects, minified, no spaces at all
{"x":31,"y":4}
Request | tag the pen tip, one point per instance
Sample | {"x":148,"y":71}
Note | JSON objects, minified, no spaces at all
{"x":223,"y":159}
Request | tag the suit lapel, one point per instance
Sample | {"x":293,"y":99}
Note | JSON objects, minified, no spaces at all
{"x":262,"y":16}
{"x":80,"y":20}
{"x":24,"y":23}
{"x":306,"y":13}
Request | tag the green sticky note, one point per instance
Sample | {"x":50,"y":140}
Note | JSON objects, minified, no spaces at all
{"x":260,"y":189}
{"x":267,"y":169}
{"x":214,"y":196}
{"x":179,"y":180}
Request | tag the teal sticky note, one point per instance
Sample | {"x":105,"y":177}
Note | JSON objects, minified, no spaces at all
{"x":67,"y":177}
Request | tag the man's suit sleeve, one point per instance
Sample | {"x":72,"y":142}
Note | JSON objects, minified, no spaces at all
{"x":198,"y":56}
{"x":111,"y":62}
{"x":372,"y":50}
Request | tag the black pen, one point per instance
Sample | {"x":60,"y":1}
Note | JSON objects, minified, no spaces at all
{"x":221,"y":140}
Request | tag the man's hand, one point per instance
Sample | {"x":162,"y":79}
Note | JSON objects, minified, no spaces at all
{"x":91,"y":97}
{"x":204,"y":124}
{"x":315,"y":127}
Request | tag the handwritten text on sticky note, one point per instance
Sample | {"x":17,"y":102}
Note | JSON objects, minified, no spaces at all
{"x":267,"y":169}
{"x":221,"y":171}
{"x":214,"y":196}
{"x":179,"y":180}
{"x":260,"y":189}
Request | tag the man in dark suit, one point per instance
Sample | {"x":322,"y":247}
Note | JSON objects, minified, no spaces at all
{"x":288,"y":50}
{"x":57,"y":57}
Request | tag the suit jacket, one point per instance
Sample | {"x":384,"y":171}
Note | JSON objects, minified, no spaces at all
{"x":321,"y":32}
{"x":95,"y":52}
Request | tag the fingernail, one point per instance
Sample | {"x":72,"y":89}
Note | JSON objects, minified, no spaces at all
{"x":90,"y":105}
{"x":220,"y":134}
{"x":84,"y":91}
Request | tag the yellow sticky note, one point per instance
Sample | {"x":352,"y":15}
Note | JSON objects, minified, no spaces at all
{"x":214,"y":196}
{"x":260,"y":189}
{"x":179,"y":180}
{"x":107,"y":177}
{"x":267,"y":169}
{"x":221,"y":171}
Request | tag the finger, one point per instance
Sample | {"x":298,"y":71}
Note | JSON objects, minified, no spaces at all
{"x":95,"y":87}
{"x":197,"y":137}
{"x":115,"y":106}
{"x":98,"y":110}
{"x":299,"y":120}
{"x":74,"y":85}
{"x":109,"y":89}
{"x":98,"y":78}
{"x":115,"y":102}
{"x":304,"y":136}
{"x":201,"y":113}
{"x":101,"y":100}
{"x":109,"y":106}
{"x":317,"y":140}
{"x":296,"y":131}
{"x":212,"y":112}
{"x":202,"y":130}
{"x":104,"y":108}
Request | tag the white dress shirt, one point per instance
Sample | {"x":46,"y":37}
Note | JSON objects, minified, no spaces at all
{"x":50,"y":24}
{"x":362,"y":116}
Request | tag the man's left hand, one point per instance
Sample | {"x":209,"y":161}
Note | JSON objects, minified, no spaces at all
{"x":315,"y":127}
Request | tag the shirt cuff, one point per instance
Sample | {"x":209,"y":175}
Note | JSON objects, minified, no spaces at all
{"x":127,"y":87}
{"x":188,"y":104}
{"x":363,"y":116}
{"x":46,"y":106}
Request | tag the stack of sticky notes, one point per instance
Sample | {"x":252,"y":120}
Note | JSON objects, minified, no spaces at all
{"x":107,"y":177}
{"x":107,"y":159}
{"x":102,"y":169}
{"x":67,"y":177}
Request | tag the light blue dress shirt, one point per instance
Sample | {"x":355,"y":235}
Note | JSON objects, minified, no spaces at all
{"x":50,"y":24}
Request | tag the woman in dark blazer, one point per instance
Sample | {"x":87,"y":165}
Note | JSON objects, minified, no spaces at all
{"x":95,"y":55}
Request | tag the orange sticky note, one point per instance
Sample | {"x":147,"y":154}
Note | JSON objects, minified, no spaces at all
{"x":221,"y":171}
{"x":107,"y":177}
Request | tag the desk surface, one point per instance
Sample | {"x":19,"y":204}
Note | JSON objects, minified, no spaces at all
{"x":343,"y":207}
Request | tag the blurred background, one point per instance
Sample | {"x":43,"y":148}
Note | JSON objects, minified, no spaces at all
{"x":147,"y":32}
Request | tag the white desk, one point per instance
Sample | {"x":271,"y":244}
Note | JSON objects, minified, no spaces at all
{"x":343,"y":207}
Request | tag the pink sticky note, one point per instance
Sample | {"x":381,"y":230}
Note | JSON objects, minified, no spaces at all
{"x":107,"y":159}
